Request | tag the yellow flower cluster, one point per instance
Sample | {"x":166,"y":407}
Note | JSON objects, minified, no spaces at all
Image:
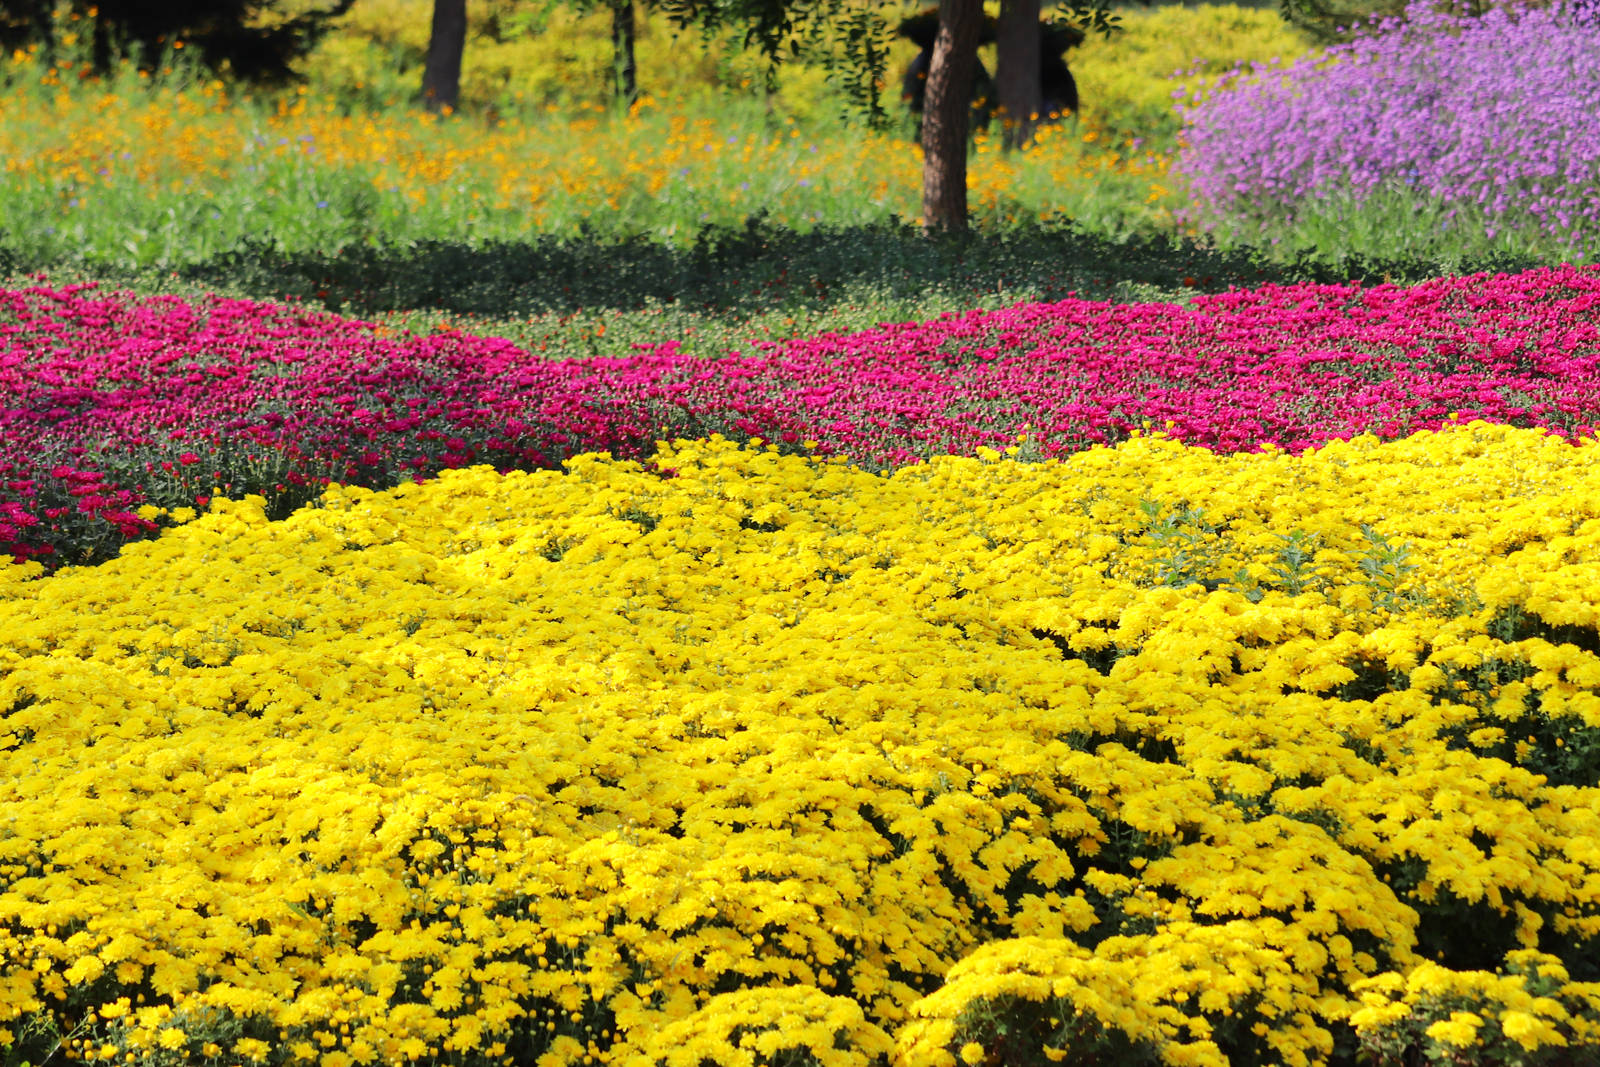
{"x":1532,"y":1008}
{"x":753,"y":1026}
{"x":983,"y":761}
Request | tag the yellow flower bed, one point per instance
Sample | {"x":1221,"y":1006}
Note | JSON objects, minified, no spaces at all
{"x":1153,"y":751}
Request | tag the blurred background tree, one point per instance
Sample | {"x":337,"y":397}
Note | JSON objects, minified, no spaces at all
{"x":624,"y":87}
{"x":256,"y":40}
{"x":526,"y":58}
{"x":441,"y":81}
{"x":852,"y":39}
{"x":441,"y":75}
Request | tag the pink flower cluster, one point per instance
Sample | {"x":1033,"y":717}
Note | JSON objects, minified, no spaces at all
{"x":1287,"y":366}
{"x":108,"y":402}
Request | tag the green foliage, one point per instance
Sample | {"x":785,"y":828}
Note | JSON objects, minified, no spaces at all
{"x":523,"y":60}
{"x":1295,"y":568}
{"x":1188,"y":545}
{"x":1386,"y":567}
{"x":1127,"y":79}
{"x":1400,"y":223}
{"x":1327,"y":21}
{"x":581,"y":298}
{"x":567,"y":298}
{"x":528,"y":57}
{"x":36,"y":1039}
{"x":859,"y":64}
{"x":1333,"y":20}
{"x":1190,"y":550}
{"x":257,"y":40}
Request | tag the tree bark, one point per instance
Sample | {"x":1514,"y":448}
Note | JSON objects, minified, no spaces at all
{"x":1017,"y":82}
{"x":625,"y":70}
{"x":441,"y":77}
{"x":101,"y":48}
{"x":945,"y":116}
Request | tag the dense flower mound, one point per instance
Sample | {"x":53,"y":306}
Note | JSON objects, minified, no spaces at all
{"x":1154,"y":753}
{"x":112,"y":403}
{"x":1492,"y":114}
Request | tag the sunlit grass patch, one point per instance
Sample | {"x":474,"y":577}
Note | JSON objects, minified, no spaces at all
{"x":167,"y":176}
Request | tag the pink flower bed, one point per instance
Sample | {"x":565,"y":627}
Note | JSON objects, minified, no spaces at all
{"x":110,"y":402}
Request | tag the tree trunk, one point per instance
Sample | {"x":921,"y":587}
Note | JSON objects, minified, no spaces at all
{"x":441,"y":78}
{"x":625,"y":71}
{"x":41,"y":15}
{"x":1017,"y":82}
{"x":945,"y":115}
{"x":101,"y":47}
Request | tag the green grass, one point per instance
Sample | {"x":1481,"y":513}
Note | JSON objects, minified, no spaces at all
{"x":1396,"y":223}
{"x":575,"y":299}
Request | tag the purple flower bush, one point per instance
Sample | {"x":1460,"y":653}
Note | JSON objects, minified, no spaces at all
{"x":116,"y":407}
{"x":1491,"y":117}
